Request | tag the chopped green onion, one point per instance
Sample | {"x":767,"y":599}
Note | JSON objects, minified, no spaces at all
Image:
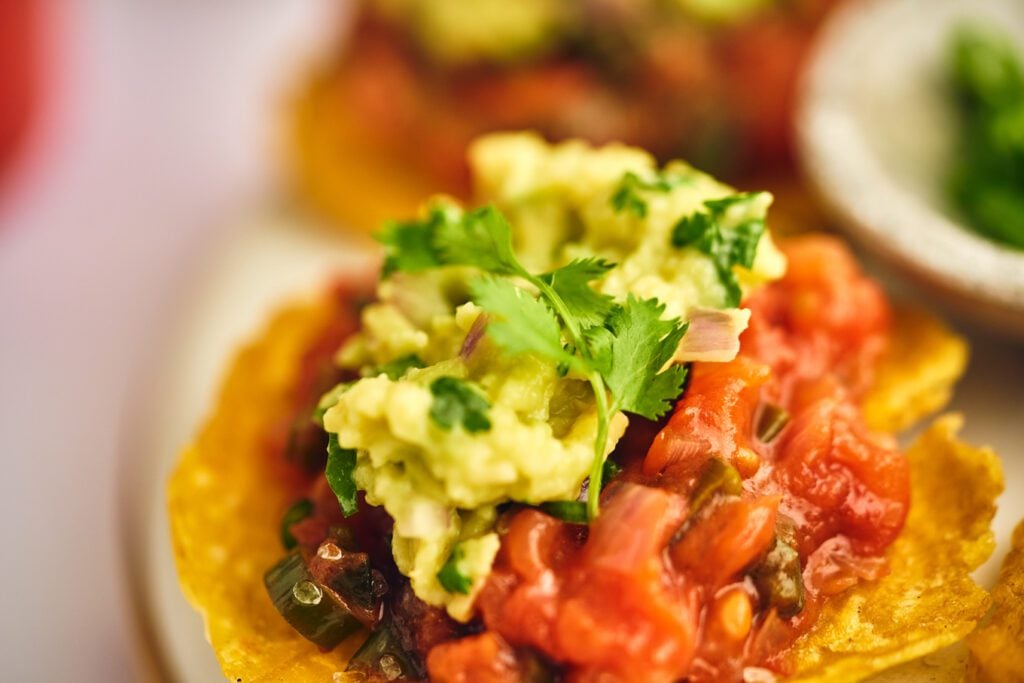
{"x":383,"y":652}
{"x":299,"y":510}
{"x":311,"y":609}
{"x":572,"y":511}
{"x":771,"y":422}
{"x":717,"y":477}
{"x":451,"y":577}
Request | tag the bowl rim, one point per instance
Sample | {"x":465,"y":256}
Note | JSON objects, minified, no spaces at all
{"x":887,"y":219}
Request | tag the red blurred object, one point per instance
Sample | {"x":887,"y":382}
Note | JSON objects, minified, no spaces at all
{"x":20,"y":61}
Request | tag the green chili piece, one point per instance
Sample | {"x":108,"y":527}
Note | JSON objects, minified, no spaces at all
{"x":383,"y":652}
{"x":779,"y":579}
{"x":312,"y":610}
{"x":717,"y":477}
{"x":771,"y":422}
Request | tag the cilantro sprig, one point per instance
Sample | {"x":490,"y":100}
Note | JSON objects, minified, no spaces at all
{"x":619,"y":348}
{"x":728,"y":243}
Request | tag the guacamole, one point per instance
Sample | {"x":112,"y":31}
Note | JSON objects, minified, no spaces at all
{"x":442,"y":483}
{"x":457,"y":32}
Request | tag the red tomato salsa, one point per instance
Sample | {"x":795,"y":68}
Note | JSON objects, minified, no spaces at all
{"x":691,"y":569}
{"x":720,"y":93}
{"x":732,"y":520}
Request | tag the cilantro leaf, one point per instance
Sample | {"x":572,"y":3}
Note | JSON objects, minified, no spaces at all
{"x":451,"y":577}
{"x":627,"y":195}
{"x":571,"y":283}
{"x":728,"y":245}
{"x":520,"y":323}
{"x":409,"y":245}
{"x":341,"y":466}
{"x":482,"y":238}
{"x":397,"y":368}
{"x":457,"y":402}
{"x":449,"y":237}
{"x":631,"y":350}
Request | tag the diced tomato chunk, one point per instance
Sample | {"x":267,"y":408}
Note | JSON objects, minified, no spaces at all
{"x":724,"y":540}
{"x":533,"y":543}
{"x":714,"y":419}
{"x":606,"y":606}
{"x":823,"y":318}
{"x":484,"y":658}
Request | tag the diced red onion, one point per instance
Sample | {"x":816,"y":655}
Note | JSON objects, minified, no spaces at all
{"x":713,"y":335}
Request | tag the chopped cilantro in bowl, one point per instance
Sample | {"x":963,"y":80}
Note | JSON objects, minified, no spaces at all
{"x":986,"y":183}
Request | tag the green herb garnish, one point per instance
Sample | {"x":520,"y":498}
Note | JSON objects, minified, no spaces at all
{"x":620,"y":349}
{"x":572,"y":511}
{"x":628,"y":197}
{"x":408,"y":245}
{"x":711,"y":233}
{"x":340,"y":471}
{"x":457,"y":402}
{"x":987,"y":181}
{"x":451,"y":577}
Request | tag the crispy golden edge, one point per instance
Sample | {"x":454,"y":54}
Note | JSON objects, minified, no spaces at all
{"x":225,"y":507}
{"x":221,"y":481}
{"x":916,"y":375}
{"x":337,"y":169}
{"x":997,"y":648}
{"x":929,"y":600}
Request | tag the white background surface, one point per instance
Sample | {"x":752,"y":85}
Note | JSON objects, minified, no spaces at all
{"x":156,"y":138}
{"x":157,"y":128}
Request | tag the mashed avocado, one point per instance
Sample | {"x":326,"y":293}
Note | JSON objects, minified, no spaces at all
{"x":536,"y":422}
{"x":503,"y":31}
{"x":457,"y":31}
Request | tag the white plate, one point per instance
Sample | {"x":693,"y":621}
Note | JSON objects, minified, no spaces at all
{"x":275,"y":259}
{"x":270,"y":260}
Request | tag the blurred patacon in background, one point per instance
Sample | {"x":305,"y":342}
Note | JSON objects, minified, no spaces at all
{"x":170,"y":170}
